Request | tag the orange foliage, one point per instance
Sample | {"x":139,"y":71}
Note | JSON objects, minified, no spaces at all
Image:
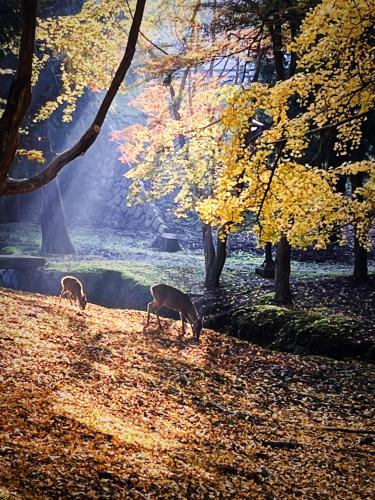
{"x":94,"y":407}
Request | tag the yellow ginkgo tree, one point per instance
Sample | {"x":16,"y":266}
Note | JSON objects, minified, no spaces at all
{"x":176,"y":151}
{"x":333,"y":88}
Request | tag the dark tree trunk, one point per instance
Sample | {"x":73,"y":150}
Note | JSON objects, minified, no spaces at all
{"x":213,"y":278}
{"x":55,"y":237}
{"x":208,"y":247}
{"x":214,"y":258}
{"x":283,"y":294}
{"x":19,"y":96}
{"x":360,"y":271}
{"x":277,"y":48}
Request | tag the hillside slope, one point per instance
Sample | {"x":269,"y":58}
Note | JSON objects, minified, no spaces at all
{"x":92,"y":406}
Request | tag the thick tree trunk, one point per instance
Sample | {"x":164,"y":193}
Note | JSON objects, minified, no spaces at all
{"x":55,"y":237}
{"x":208,"y":248}
{"x":283,"y":294}
{"x":214,"y":258}
{"x":213,"y":278}
{"x":360,"y":271}
{"x":19,"y":96}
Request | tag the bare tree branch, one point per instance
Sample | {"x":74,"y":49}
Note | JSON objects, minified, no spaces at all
{"x":144,"y":36}
{"x":18,"y":186}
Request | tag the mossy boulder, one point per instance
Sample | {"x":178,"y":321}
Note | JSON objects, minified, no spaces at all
{"x":318,"y":331}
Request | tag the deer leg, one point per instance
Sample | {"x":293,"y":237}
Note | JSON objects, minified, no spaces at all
{"x":183,"y":320}
{"x":154,"y":307}
{"x":157,"y":315}
{"x":150,"y":306}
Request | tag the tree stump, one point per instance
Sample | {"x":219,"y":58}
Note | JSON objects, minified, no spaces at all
{"x":167,"y":242}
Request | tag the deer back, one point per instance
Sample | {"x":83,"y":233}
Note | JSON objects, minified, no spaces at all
{"x":174,"y":299}
{"x":73,"y":285}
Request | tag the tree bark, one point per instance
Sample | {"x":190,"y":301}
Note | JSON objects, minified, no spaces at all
{"x":18,"y":186}
{"x":208,"y":248}
{"x":360,"y":270}
{"x":283,"y":294}
{"x":214,"y":258}
{"x":52,"y":212}
{"x":55,"y":236}
{"x":213,"y":280}
{"x":277,"y":44}
{"x":19,"y":96}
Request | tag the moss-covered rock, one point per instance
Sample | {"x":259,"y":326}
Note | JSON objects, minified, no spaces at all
{"x":318,"y":331}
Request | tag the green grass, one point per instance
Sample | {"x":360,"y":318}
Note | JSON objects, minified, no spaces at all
{"x":143,"y":273}
{"x":133,"y":256}
{"x":22,"y":238}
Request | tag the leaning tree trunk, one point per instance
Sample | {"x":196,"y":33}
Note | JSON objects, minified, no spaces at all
{"x":213,"y":278}
{"x":55,"y":237}
{"x":214,"y":258}
{"x":19,"y":98}
{"x":283,"y":294}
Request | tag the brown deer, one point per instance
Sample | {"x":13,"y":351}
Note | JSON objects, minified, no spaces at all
{"x":73,"y":289}
{"x":165,"y":295}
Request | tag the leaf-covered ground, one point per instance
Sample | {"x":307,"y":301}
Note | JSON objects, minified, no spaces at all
{"x":92,"y":406}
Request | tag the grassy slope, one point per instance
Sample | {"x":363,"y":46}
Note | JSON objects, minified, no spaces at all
{"x":92,"y":406}
{"x":133,"y":256}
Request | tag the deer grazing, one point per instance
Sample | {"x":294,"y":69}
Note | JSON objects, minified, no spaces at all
{"x":73,"y":289}
{"x":168,"y":296}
